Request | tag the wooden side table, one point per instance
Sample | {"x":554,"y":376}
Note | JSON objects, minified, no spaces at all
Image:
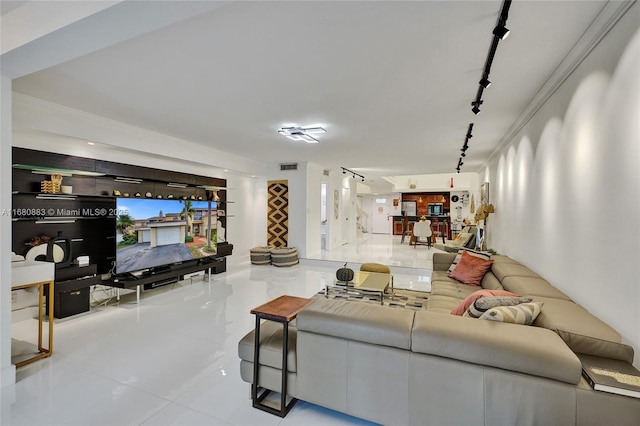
{"x":282,"y":309}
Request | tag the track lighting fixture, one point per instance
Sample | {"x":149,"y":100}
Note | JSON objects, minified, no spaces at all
{"x":501,"y":31}
{"x":354,"y":174}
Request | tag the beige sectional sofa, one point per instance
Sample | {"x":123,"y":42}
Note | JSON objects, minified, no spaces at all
{"x":399,"y":366}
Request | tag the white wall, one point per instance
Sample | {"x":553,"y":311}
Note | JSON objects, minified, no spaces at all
{"x":436,"y":182}
{"x":567,"y":186}
{"x":345,"y":225}
{"x":246,"y":216}
{"x":7,"y":370}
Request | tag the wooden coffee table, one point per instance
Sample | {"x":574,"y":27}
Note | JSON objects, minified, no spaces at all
{"x":282,"y":309}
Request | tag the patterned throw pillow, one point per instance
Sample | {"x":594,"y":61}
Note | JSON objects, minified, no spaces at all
{"x":464,"y":305}
{"x":480,"y":254}
{"x":525,"y":313}
{"x":482,"y":305}
{"x":471,"y":269}
{"x":461,"y":239}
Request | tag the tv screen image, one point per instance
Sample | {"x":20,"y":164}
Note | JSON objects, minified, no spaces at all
{"x":151,"y":233}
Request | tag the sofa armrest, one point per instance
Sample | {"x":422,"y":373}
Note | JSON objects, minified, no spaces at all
{"x":520,"y":348}
{"x":364,"y":322}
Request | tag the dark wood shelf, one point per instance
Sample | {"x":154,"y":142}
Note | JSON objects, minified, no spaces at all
{"x":92,"y":233}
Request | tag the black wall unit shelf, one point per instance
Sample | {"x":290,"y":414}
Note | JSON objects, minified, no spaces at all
{"x":87,"y":216}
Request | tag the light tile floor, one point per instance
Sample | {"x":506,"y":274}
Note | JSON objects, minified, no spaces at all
{"x":172,"y":359}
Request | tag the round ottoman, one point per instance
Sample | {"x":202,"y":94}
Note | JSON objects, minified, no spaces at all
{"x":284,"y":256}
{"x":260,"y":255}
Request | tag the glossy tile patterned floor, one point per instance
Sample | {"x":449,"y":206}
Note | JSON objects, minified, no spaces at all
{"x":172,"y":359}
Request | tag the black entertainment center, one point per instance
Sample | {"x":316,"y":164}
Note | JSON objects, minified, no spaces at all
{"x":83,"y":221}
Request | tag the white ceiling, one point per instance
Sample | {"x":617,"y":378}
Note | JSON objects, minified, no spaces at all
{"x":391,"y":81}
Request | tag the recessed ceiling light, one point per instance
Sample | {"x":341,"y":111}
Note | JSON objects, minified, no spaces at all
{"x":91,"y":143}
{"x":226,"y":170}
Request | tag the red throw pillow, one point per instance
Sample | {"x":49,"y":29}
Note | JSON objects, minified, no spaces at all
{"x":468,"y":301}
{"x":470,"y":269}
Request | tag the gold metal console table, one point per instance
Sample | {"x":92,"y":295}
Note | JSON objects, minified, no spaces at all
{"x":28,"y":274}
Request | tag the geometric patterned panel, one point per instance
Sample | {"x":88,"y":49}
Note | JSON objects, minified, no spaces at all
{"x":278,"y":213}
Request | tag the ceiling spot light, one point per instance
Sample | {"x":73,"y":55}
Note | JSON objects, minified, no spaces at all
{"x":476,"y":107}
{"x":485,"y":82}
{"x":301,"y":133}
{"x":501,"y":32}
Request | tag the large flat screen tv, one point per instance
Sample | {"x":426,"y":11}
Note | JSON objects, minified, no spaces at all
{"x":153,"y":233}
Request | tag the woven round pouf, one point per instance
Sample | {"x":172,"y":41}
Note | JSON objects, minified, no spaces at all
{"x":284,"y":256}
{"x":260,"y":255}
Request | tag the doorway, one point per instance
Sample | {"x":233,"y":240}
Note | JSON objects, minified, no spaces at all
{"x":345,"y":215}
{"x":381,"y":223}
{"x":323,"y":216}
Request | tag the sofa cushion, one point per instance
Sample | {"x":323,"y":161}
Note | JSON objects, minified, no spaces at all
{"x":490,"y":282}
{"x":530,"y":350}
{"x":475,"y":253}
{"x":453,"y":289}
{"x":441,"y":304}
{"x":499,"y":258}
{"x":362,"y":322}
{"x":462,"y":307}
{"x":442,"y":261}
{"x":533,"y":286}
{"x":503,"y":269}
{"x":483,"y":304}
{"x":441,"y":276}
{"x":470,"y":269}
{"x":581,"y":331}
{"x":524,"y":313}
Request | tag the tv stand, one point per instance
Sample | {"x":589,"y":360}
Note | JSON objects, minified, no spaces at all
{"x":214,"y":265}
